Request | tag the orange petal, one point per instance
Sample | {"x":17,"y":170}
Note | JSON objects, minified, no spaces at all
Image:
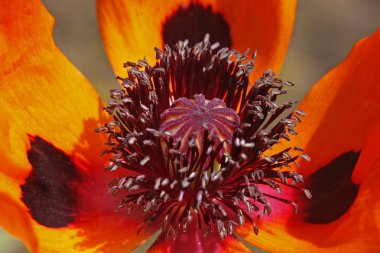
{"x":343,"y":107}
{"x":42,"y":93}
{"x":358,"y":230}
{"x":13,"y":215}
{"x":49,"y":148}
{"x":131,"y":30}
{"x":65,"y":200}
{"x":342,"y":110}
{"x":193,"y":241}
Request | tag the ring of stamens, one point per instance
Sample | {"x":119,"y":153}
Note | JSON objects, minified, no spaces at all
{"x":200,"y":161}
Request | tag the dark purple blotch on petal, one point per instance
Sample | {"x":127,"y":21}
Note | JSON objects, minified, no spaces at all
{"x":193,"y":22}
{"x":49,"y":191}
{"x":333,"y":190}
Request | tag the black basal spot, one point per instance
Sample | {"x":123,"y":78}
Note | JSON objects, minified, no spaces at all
{"x":333,"y":190}
{"x":48,"y":191}
{"x":193,"y":22}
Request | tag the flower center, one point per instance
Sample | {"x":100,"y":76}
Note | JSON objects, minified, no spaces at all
{"x":200,"y":162}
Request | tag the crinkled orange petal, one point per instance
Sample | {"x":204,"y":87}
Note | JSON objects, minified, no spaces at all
{"x":193,"y":241}
{"x":44,"y":97}
{"x":131,"y":29}
{"x":358,"y":230}
{"x":41,"y":92}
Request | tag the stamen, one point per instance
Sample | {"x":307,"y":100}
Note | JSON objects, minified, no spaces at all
{"x":193,"y":141}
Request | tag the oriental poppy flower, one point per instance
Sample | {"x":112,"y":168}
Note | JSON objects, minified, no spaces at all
{"x":191,"y":112}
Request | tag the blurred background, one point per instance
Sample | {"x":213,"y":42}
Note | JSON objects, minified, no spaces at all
{"x":324,"y":33}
